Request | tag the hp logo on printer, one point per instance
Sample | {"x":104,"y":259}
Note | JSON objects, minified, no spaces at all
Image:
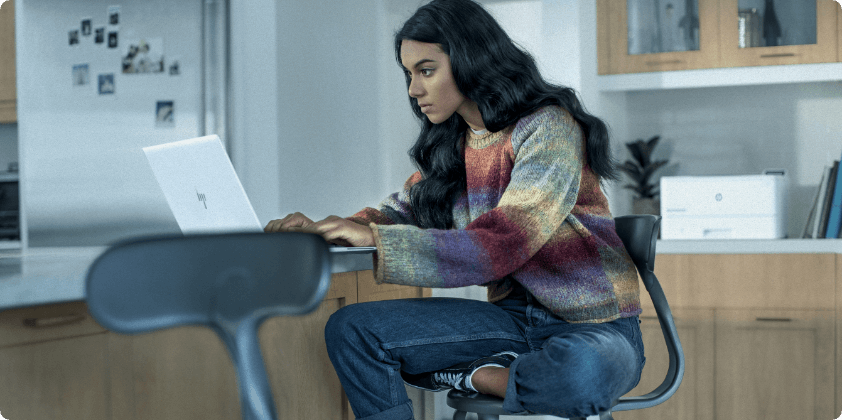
{"x":718,"y":197}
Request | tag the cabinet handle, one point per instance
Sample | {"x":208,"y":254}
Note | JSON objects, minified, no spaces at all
{"x":760,"y":319}
{"x":658,"y":63}
{"x":55,"y":321}
{"x":778,"y":55}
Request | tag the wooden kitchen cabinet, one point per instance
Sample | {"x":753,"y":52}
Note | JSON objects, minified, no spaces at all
{"x":180,"y":373}
{"x":53,"y":364}
{"x":296,"y":358}
{"x":814,"y":42}
{"x":839,"y":33}
{"x":185,"y":373}
{"x":838,"y":334}
{"x":694,"y":398}
{"x":774,"y":364}
{"x":8,"y":89}
{"x":629,"y":41}
{"x":57,"y":362}
{"x":642,"y":50}
{"x":759,"y":333}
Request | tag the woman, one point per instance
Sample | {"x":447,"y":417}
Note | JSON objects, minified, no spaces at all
{"x":507,"y":196}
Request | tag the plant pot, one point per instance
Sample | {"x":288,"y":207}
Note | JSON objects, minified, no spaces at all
{"x":646,"y":206}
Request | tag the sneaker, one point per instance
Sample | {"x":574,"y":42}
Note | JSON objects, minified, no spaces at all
{"x":459,"y":376}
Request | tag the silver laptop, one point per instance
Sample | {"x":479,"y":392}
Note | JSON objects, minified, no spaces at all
{"x":203,"y":190}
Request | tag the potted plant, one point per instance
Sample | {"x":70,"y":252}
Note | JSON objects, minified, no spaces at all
{"x":640,"y":169}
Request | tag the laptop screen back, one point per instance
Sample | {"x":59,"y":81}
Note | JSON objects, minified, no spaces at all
{"x":201,"y":186}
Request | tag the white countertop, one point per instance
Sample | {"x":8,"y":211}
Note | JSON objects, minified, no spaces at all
{"x":38,"y":276}
{"x":750,"y":246}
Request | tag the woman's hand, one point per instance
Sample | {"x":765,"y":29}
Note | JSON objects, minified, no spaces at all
{"x":333,"y":228}
{"x":288,"y":224}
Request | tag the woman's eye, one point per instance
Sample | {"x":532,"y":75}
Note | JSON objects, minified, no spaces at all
{"x":426,"y":72}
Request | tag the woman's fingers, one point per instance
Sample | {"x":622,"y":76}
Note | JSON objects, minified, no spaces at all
{"x":344,"y":232}
{"x":333,"y":228}
{"x":289,"y":223}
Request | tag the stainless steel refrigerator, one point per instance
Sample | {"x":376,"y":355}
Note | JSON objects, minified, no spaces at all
{"x":97,"y":81}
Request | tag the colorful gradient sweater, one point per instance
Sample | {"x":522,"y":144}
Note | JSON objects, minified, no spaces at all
{"x":533,"y":213}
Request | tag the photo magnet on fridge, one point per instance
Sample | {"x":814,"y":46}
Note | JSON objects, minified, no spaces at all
{"x":175,"y":67}
{"x":73,"y":37}
{"x":106,"y":84}
{"x":112,"y":40}
{"x":113,"y":15}
{"x":144,"y":56}
{"x":99,"y":35}
{"x":86,"y":26}
{"x":80,"y":75}
{"x":165,"y":114}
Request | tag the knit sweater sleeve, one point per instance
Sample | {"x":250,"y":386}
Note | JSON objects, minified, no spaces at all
{"x":544,"y":184}
{"x":393,"y":210}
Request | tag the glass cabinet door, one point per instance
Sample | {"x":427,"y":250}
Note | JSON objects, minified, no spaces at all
{"x":657,"y":26}
{"x":656,"y":35}
{"x":762,"y":23}
{"x":769,"y":32}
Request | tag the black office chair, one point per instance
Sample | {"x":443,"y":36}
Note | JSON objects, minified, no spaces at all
{"x":639,"y":234}
{"x":229,"y":283}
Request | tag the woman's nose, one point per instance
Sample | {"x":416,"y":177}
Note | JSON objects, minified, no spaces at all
{"x":415,"y":90}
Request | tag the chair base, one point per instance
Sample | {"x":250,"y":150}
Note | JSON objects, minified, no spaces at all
{"x":488,"y":407}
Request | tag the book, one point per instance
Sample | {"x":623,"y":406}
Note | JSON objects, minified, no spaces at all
{"x":828,"y":170}
{"x":811,"y":228}
{"x":828,"y":196}
{"x":834,"y":218}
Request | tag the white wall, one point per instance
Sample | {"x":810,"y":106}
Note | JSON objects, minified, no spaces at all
{"x":321,"y":120}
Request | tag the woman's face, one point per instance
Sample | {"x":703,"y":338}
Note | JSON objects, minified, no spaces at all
{"x":432,"y":82}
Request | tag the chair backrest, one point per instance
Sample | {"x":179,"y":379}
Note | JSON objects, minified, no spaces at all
{"x":230,"y":283}
{"x":639,"y":234}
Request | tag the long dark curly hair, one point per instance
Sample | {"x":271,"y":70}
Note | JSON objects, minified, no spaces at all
{"x":503,"y":80}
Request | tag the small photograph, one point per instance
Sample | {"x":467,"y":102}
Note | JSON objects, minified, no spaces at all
{"x":86,"y":27}
{"x":112,"y":40}
{"x":80,"y":75}
{"x":144,"y":56}
{"x":73,"y":37}
{"x":175,"y":68}
{"x":113,"y":15}
{"x":164,"y":114}
{"x":106,"y":84}
{"x":99,"y":35}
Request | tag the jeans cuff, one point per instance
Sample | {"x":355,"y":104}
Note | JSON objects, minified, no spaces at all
{"x":401,"y":412}
{"x":511,"y":403}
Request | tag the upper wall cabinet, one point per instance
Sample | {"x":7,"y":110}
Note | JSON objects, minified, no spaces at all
{"x":636,"y":36}
{"x":839,"y":32}
{"x":8,"y":91}
{"x":771,"y":32}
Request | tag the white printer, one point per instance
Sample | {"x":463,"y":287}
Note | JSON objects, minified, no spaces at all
{"x":724,"y":207}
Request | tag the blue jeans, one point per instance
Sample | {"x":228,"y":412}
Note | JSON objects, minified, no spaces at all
{"x":564,"y":369}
